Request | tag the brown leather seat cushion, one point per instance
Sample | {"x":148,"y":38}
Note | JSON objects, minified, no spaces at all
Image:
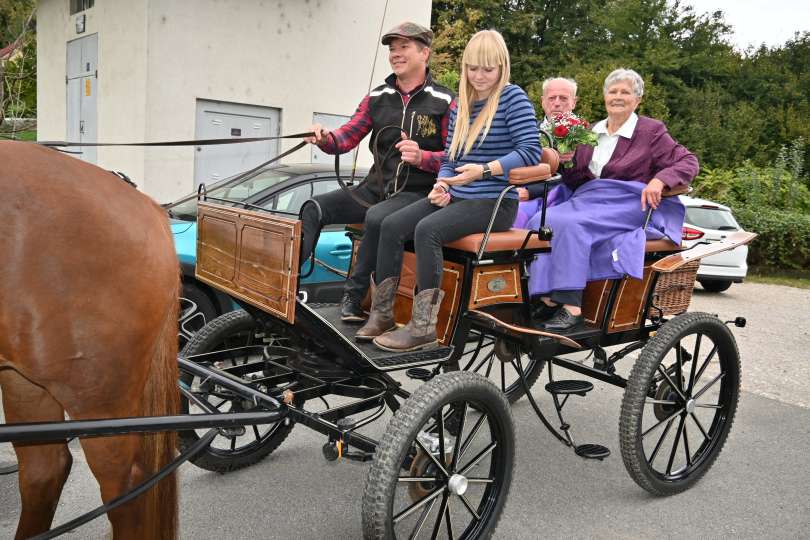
{"x":513,"y":239}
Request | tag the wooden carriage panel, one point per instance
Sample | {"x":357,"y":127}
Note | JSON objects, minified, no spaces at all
{"x":594,"y":301}
{"x":628,"y":309}
{"x":451,"y":285}
{"x":252,"y":256}
{"x":494,"y":284}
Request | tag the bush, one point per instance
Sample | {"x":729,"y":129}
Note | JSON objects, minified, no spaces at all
{"x":784,"y":237}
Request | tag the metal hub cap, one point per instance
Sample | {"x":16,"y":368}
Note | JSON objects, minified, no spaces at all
{"x":690,"y":406}
{"x":457,"y":484}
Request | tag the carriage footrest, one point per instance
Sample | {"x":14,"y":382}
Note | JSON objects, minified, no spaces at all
{"x":401,"y":359}
{"x":592,"y":451}
{"x":569,"y":387}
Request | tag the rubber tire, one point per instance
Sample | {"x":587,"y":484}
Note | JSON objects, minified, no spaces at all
{"x":714,"y":286}
{"x":205,"y":306}
{"x":639,"y":382}
{"x":402,"y":430}
{"x":515,"y":391}
{"x":207,"y":340}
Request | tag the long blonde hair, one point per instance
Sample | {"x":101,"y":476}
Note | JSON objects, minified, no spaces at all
{"x":488,"y":49}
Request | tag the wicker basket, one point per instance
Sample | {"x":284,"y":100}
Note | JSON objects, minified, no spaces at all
{"x":673,"y":291}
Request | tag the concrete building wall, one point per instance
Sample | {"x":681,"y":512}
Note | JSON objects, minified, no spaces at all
{"x":157,"y":57}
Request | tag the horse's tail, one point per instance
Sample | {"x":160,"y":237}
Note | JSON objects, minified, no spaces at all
{"x":161,"y":397}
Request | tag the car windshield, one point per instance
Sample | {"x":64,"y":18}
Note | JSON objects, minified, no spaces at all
{"x":239,"y":191}
{"x":711,"y":218}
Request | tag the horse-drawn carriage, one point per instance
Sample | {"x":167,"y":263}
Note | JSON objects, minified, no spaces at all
{"x":444,"y":463}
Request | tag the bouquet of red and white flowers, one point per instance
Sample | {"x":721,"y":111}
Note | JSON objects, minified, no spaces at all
{"x":569,"y":130}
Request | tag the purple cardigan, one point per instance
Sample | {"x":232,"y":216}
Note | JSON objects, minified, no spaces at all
{"x":650,"y":153}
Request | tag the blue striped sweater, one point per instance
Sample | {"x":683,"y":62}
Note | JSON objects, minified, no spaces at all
{"x":513,"y":140}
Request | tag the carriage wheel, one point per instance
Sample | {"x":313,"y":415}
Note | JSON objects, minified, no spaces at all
{"x":492,"y":357}
{"x":242,"y":446}
{"x":427,"y":480}
{"x":679,"y":403}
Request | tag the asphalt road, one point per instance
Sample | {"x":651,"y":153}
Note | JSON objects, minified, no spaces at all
{"x":758,"y":488}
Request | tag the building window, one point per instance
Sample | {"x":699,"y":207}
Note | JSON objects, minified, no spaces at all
{"x":80,"y":5}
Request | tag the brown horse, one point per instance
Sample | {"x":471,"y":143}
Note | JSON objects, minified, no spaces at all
{"x":89,"y":286}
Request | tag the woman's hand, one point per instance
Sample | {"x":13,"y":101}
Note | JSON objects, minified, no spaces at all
{"x":467,"y":173}
{"x":439,"y":195}
{"x":523,"y":194}
{"x":652,"y":194}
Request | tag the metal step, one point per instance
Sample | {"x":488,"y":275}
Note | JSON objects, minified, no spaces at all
{"x":592,"y":451}
{"x":564,"y":387}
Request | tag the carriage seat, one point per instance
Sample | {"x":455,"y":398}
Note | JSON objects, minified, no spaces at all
{"x":513,"y":239}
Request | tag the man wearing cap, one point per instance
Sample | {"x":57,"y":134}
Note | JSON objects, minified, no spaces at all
{"x":419,"y":109}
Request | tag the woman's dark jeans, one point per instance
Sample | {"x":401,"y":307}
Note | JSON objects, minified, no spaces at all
{"x":430,"y":227}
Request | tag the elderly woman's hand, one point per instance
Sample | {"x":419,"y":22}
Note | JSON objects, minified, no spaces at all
{"x":652,"y":194}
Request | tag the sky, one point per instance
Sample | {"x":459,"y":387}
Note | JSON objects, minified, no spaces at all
{"x":772,"y":22}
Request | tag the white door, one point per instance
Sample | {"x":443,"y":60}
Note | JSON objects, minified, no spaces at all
{"x":221,"y":120}
{"x":82,"y":86}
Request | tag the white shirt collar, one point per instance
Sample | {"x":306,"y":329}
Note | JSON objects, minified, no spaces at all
{"x":625,"y":131}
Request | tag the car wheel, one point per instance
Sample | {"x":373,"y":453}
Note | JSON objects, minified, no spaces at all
{"x":196,"y":310}
{"x":715,"y":286}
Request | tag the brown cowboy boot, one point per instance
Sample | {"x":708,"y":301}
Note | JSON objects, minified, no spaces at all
{"x":381,"y":317}
{"x":420,"y":332}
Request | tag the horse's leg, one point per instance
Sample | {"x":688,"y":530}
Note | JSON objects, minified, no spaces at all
{"x":117,"y":464}
{"x":44,"y":468}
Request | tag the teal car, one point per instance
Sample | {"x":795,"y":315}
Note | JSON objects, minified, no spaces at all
{"x":282,"y":189}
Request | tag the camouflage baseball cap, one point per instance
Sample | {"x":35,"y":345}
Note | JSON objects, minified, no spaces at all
{"x":409,"y":30}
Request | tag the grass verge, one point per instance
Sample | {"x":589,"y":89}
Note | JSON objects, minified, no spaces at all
{"x":776,"y":276}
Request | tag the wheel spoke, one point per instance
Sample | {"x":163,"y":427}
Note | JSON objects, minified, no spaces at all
{"x":449,"y":521}
{"x":440,"y":421}
{"x":503,"y":376}
{"x":671,"y":383}
{"x":686,"y":445}
{"x":708,"y":406}
{"x":220,"y":404}
{"x":417,"y":479}
{"x":480,"y":480}
{"x":256,"y":433}
{"x":651,"y":401}
{"x":679,"y":365}
{"x":432,"y":457}
{"x":422,"y":518}
{"x":491,"y":359}
{"x":700,"y":427}
{"x":457,"y":447}
{"x":658,"y":444}
{"x":233,"y":443}
{"x":440,"y":517}
{"x":418,"y":504}
{"x":710,"y":384}
{"x":693,"y":367}
{"x":487,"y":358}
{"x":481,"y":455}
{"x":469,"y":507}
{"x":667,"y":419}
{"x":675,"y":446}
{"x":473,"y":432}
{"x":705,"y":365}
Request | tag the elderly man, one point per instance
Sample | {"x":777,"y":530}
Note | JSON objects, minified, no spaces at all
{"x":559,"y":96}
{"x":411,"y":99}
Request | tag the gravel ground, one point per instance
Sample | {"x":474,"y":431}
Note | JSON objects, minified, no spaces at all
{"x":757,"y":488}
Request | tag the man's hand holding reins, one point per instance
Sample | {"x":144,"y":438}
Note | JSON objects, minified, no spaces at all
{"x":321,"y":134}
{"x":411,"y":153}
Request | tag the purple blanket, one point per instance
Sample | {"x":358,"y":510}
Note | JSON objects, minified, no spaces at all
{"x":598,"y":235}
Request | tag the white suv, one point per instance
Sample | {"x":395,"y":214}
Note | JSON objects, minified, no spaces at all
{"x":707,"y":222}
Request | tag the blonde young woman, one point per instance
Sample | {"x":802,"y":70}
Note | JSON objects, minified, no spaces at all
{"x":493,"y":130}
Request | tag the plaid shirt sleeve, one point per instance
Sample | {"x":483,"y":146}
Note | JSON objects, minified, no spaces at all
{"x":432,"y":161}
{"x":351,"y":133}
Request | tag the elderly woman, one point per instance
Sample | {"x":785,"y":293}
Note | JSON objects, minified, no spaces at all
{"x":598,"y":231}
